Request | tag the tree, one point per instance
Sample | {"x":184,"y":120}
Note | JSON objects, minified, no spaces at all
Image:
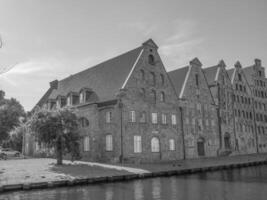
{"x":57,"y":129}
{"x":10,"y":113}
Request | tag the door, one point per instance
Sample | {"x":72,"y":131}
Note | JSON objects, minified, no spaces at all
{"x":200,"y":148}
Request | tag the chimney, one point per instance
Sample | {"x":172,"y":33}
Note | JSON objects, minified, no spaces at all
{"x":196,"y":62}
{"x":54,"y":84}
{"x":257,"y":62}
{"x":238,"y":65}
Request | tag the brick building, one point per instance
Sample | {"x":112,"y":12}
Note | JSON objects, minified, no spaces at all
{"x":222,"y":91}
{"x":199,"y":115}
{"x":132,"y":110}
{"x":258,"y":83}
{"x":243,"y":111}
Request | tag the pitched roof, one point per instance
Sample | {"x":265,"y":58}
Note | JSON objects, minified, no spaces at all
{"x":105,"y":79}
{"x":178,"y":77}
{"x":210,"y":73}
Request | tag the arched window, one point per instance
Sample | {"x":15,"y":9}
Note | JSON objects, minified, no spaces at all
{"x":154,"y":144}
{"x":152,"y":78}
{"x":162,"y":79}
{"x":142,"y":74}
{"x":109,"y":143}
{"x":143,"y":92}
{"x":162,"y":97}
{"x":153,"y":96}
{"x":151,"y":59}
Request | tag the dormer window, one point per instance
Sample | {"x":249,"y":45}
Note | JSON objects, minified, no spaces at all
{"x":61,"y":102}
{"x":151,"y":60}
{"x":72,"y":99}
{"x":87,"y":95}
{"x":51,"y":104}
{"x":81,"y":98}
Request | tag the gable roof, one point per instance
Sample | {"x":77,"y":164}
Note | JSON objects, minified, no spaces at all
{"x":210,"y":74}
{"x":178,"y":78}
{"x":105,"y":79}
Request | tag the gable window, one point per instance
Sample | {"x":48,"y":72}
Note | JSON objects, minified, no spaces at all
{"x":197,"y":79}
{"x":162,"y":79}
{"x":162,"y":97}
{"x":109,"y":143}
{"x":132,"y":116}
{"x":143,"y":117}
{"x":153,"y":96}
{"x":152,"y":78}
{"x":163,"y":118}
{"x":151,"y":59}
{"x":108,"y":116}
{"x":86,"y":143}
{"x":155,"y":144}
{"x":171,"y":145}
{"x":143,"y":92}
{"x":142,"y":74}
{"x":174,"y":120}
{"x":137,"y":144}
{"x":154,"y":118}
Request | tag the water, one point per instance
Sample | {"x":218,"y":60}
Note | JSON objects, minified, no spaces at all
{"x":247,"y":183}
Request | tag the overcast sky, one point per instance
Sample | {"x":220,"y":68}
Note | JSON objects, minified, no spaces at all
{"x":51,"y":39}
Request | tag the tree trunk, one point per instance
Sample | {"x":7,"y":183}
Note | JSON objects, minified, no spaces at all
{"x":59,"y":151}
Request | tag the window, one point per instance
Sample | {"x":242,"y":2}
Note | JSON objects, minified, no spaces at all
{"x":239,"y":77}
{"x":132,"y":116}
{"x":143,"y":117}
{"x":154,"y":118}
{"x":152,"y":78}
{"x":151,"y":59}
{"x":171,"y":145}
{"x":162,"y":97}
{"x":163,"y":118}
{"x":197,"y":81}
{"x":142,"y":74}
{"x":155,"y":144}
{"x":143,"y":92}
{"x":68,"y":101}
{"x":81,"y":97}
{"x":108,"y":117}
{"x":162,"y":79}
{"x":75,"y":99}
{"x":174,"y":121}
{"x":84,"y":122}
{"x":153,"y":96}
{"x":109,"y":143}
{"x":86,"y":143}
{"x":137,"y":144}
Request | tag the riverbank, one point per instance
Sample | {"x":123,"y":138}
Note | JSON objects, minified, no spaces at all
{"x":43,"y":173}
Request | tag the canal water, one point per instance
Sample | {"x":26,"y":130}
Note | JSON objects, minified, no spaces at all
{"x":244,"y":184}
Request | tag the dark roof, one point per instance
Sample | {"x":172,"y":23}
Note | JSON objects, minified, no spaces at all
{"x":105,"y":79}
{"x":210,"y":73}
{"x":44,"y":97}
{"x":248,"y":71}
{"x":178,"y":78}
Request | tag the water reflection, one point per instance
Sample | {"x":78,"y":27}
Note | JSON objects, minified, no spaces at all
{"x":247,"y":183}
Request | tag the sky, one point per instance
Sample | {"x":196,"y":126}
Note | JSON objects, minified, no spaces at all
{"x":44,"y":40}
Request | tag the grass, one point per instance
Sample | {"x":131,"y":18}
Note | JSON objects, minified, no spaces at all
{"x":82,"y":170}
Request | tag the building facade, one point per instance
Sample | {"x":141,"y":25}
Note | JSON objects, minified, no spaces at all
{"x":222,"y":91}
{"x":131,"y":110}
